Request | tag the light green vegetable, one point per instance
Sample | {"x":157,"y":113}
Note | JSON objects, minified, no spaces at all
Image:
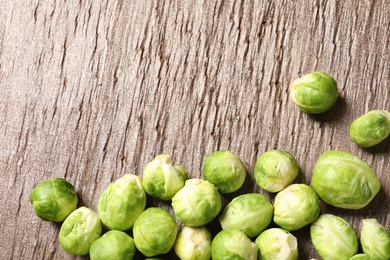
{"x":225,"y":170}
{"x":114,"y":244}
{"x":360,"y":257}
{"x":296,"y":206}
{"x":275,"y":170}
{"x":371,"y":128}
{"x":251,"y":213}
{"x":277,"y":243}
{"x":333,"y":238}
{"x":375,"y":239}
{"x":197,"y":203}
{"x":122,"y":202}
{"x":344,"y":180}
{"x":79,"y":230}
{"x":193,"y":243}
{"x":162,"y":178}
{"x":155,"y":232}
{"x":53,"y":199}
{"x":233,"y":244}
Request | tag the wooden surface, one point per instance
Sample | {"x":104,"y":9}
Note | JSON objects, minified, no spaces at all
{"x":91,"y":90}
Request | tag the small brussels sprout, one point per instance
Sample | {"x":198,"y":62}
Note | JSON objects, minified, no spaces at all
{"x":114,"y":244}
{"x":371,"y":128}
{"x":122,"y":202}
{"x":193,"y":243}
{"x":53,"y":199}
{"x":296,"y":206}
{"x":79,"y":230}
{"x":162,"y":178}
{"x":360,"y":257}
{"x":225,"y":170}
{"x":233,"y":244}
{"x":197,"y":203}
{"x":344,"y":180}
{"x":251,"y":213}
{"x":333,"y":237}
{"x":155,"y":232}
{"x":277,"y":243}
{"x":375,"y":239}
{"x":275,"y":170}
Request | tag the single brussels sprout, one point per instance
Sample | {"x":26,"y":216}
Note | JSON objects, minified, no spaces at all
{"x":296,"y":206}
{"x":251,"y":213}
{"x":79,"y":230}
{"x":162,"y":178}
{"x":53,"y":199}
{"x":233,"y":244}
{"x":114,"y":244}
{"x":197,"y":203}
{"x":225,"y":170}
{"x":371,"y":128}
{"x":360,"y":257}
{"x":375,"y":239}
{"x":333,"y":237}
{"x":344,"y":180}
{"x":277,"y":243}
{"x":193,"y":243}
{"x":155,"y":232}
{"x":314,"y":93}
{"x":275,"y":170}
{"x":122,"y":202}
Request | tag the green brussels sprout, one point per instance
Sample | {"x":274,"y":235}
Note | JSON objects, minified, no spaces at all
{"x":275,"y":170}
{"x":155,"y":232}
{"x":371,"y":128}
{"x":375,"y":239}
{"x":333,"y":237}
{"x":193,"y":243}
{"x":122,"y":202}
{"x":79,"y":230}
{"x":360,"y":257}
{"x":277,"y":243}
{"x":225,"y":170}
{"x":314,"y":93}
{"x":114,"y":244}
{"x":251,"y":213}
{"x":162,"y":178}
{"x":53,"y":199}
{"x":197,"y":203}
{"x":296,"y":206}
{"x":233,"y":244}
{"x":344,"y":180}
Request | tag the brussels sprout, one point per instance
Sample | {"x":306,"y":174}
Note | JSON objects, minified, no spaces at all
{"x":197,"y":203}
{"x":296,"y":206}
{"x":314,"y":93}
{"x":154,"y":232}
{"x":193,"y":243}
{"x":275,"y":170}
{"x":79,"y":230}
{"x":162,"y":178}
{"x":375,"y":239}
{"x":53,"y":199}
{"x":277,"y":243}
{"x":333,"y":237}
{"x":225,"y":170}
{"x":122,"y":202}
{"x":344,"y":180}
{"x":233,"y":244}
{"x":251,"y":213}
{"x":360,"y":257}
{"x":114,"y":244}
{"x":371,"y":128}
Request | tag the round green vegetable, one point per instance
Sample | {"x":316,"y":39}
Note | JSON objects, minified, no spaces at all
{"x":344,"y":180}
{"x":360,"y":257}
{"x":375,"y":239}
{"x":277,"y":243}
{"x":314,"y":93}
{"x":193,"y":243}
{"x":53,"y":199}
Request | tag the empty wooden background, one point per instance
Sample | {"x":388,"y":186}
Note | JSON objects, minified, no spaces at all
{"x":91,"y":90}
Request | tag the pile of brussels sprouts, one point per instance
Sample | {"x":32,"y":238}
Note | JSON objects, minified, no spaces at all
{"x":251,"y":226}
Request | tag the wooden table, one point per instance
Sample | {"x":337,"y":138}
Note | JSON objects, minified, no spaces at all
{"x":91,"y":90}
